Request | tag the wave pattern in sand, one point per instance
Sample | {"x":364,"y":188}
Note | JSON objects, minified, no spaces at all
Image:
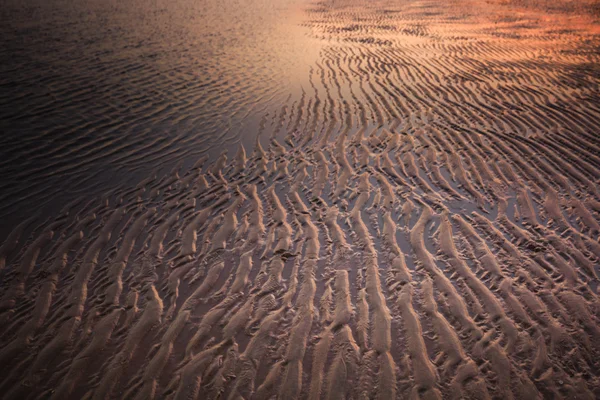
{"x":423,"y":224}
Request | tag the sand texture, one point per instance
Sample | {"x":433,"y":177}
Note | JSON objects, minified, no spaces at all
{"x":422,"y":222}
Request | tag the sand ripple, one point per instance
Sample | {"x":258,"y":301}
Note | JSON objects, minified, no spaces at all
{"x":421,"y":221}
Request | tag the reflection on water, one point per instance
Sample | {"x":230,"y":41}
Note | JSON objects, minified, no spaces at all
{"x":96,"y":90}
{"x":411,"y":210}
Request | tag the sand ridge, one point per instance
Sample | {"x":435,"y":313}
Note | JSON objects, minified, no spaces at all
{"x":412,"y":228}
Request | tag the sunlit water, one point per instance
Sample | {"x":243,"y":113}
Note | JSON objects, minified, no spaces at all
{"x":415,"y":214}
{"x":97,"y":92}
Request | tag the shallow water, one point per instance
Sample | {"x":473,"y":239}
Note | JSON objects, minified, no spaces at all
{"x":98,"y":92}
{"x":335,"y":199}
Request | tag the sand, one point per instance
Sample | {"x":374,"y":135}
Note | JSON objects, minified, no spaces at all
{"x":422,"y":222}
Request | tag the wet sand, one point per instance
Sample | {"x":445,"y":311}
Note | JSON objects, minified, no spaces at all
{"x":422,"y":221}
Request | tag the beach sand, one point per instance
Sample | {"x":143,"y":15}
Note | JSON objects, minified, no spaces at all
{"x":421,"y":222}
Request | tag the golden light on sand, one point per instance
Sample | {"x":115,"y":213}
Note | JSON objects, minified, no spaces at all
{"x":347,"y":199}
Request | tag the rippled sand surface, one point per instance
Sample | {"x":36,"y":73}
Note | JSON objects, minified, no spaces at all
{"x":342,"y":200}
